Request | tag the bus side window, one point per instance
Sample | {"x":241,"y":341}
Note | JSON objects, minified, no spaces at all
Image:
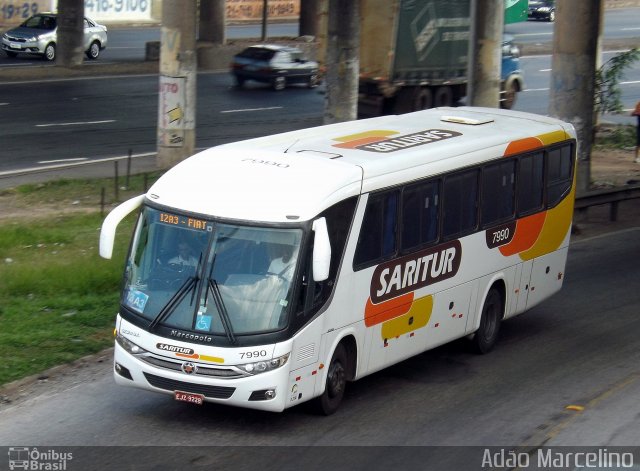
{"x":420,"y":211}
{"x":460,"y":196}
{"x":530,"y":184}
{"x":498,"y":191}
{"x":559,"y":174}
{"x":377,"y":239}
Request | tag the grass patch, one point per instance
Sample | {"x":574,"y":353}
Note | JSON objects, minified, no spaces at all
{"x":58,"y":298}
{"x":616,"y":137}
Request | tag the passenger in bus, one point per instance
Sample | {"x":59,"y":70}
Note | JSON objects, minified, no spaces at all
{"x":185,"y":257}
{"x":282,"y":261}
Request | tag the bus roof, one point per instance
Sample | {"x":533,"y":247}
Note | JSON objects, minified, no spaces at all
{"x":293,"y":176}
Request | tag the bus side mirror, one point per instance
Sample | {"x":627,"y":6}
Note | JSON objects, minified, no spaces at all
{"x":321,"y":250}
{"x":108,"y":231}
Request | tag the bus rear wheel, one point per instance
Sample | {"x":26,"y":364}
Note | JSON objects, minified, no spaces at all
{"x":336,"y":383}
{"x":485,"y":337}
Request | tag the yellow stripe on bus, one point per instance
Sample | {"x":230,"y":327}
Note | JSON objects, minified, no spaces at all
{"x":417,"y":317}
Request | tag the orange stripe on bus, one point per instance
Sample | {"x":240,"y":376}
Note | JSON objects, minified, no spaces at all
{"x":358,"y":142}
{"x":378,"y":313}
{"x":380,"y":133}
{"x":522,"y":145}
{"x":527,"y":232}
{"x":193,"y":356}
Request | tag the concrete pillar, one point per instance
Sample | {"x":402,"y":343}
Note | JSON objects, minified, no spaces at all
{"x":70,"y":49}
{"x":212,"y":21}
{"x":308,"y":25}
{"x":571,"y":98}
{"x":177,"y":90}
{"x":342,"y":61}
{"x":485,"y":53}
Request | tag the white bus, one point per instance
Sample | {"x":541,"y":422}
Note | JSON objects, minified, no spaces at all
{"x":272,"y":271}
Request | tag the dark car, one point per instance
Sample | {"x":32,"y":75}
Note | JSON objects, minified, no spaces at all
{"x":542,"y":10}
{"x":274,"y":64}
{"x":39,"y":35}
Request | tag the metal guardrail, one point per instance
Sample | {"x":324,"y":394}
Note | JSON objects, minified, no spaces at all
{"x":610,"y":196}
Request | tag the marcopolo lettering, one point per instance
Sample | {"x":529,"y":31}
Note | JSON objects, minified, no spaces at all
{"x":415,"y":271}
{"x":189,"y":336}
{"x":174,"y":348}
{"x":409,"y":140}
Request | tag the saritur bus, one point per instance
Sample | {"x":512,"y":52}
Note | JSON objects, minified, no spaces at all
{"x":272,"y":271}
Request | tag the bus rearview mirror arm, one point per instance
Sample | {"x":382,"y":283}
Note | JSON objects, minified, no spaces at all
{"x":321,"y":250}
{"x":110,"y":224}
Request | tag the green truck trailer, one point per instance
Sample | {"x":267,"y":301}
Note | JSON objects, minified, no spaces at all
{"x":413,"y":54}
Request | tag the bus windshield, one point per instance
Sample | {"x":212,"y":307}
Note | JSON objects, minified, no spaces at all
{"x":210,"y":277}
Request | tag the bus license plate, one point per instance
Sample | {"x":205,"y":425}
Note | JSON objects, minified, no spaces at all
{"x":189,"y":397}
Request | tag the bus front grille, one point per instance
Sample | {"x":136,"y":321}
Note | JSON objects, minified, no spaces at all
{"x":216,"y":392}
{"x":203,"y":370}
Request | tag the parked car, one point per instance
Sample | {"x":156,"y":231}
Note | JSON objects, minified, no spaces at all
{"x":38,"y":35}
{"x":274,"y":64}
{"x":542,"y":10}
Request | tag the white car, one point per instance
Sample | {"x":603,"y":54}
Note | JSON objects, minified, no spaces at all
{"x":38,"y":35}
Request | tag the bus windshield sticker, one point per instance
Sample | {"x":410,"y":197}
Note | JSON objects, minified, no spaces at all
{"x":136,"y":300}
{"x":414,"y":271}
{"x":203,"y":322}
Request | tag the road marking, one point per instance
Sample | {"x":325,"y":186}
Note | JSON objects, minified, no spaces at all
{"x":533,"y":34}
{"x":536,"y":89}
{"x":79,"y":159}
{"x":26,"y":171}
{"x":77,"y":123}
{"x":253,"y":109}
{"x":545,"y":70}
{"x":631,"y":82}
{"x":3,"y":104}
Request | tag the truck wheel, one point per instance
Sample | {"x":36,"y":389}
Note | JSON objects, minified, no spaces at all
{"x":423,"y":99}
{"x":335,"y":384}
{"x":509,"y":96}
{"x":443,"y":97}
{"x":485,"y":337}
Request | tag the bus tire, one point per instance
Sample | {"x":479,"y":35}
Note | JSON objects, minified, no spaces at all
{"x":336,"y":382}
{"x":485,"y":337}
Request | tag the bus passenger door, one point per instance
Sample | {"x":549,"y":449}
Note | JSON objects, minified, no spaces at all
{"x":517,"y":298}
{"x":450,"y":313}
{"x":547,"y":275}
{"x":522,"y":281}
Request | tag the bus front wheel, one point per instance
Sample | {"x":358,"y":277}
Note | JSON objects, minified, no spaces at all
{"x":485,"y":337}
{"x":336,"y":383}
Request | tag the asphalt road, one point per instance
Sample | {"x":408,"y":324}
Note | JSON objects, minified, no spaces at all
{"x":75,"y":121}
{"x":580,"y":348}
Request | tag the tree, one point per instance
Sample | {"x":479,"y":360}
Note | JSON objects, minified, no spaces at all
{"x":608,"y":77}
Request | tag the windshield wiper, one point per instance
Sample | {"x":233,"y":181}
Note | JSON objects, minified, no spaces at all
{"x":177,"y":297}
{"x":222,"y":309}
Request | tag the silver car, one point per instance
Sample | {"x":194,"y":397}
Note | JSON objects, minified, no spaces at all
{"x":38,"y":35}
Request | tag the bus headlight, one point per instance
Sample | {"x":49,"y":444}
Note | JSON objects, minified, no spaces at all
{"x":129,"y":346}
{"x":264,"y":366}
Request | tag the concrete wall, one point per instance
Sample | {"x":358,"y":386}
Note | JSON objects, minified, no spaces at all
{"x":13,"y":12}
